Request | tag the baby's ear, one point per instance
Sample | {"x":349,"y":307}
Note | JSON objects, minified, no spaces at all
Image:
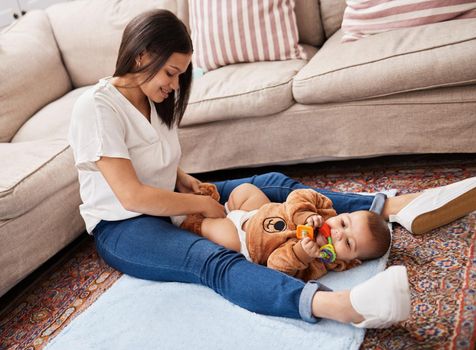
{"x":353,"y":263}
{"x":341,"y":265}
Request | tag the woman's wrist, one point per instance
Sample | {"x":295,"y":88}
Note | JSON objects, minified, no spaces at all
{"x":180,"y":174}
{"x":192,"y":203}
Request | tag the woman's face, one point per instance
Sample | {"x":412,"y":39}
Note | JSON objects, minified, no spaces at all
{"x":167,"y":78}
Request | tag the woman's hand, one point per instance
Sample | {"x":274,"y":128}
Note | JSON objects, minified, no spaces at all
{"x":211,"y":208}
{"x":186,"y":183}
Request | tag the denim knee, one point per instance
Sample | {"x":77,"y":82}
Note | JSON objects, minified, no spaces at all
{"x":212,"y":263}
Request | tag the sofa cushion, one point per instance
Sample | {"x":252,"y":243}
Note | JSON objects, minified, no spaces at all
{"x":248,"y":31}
{"x":332,"y":13}
{"x":31,"y":71}
{"x":424,"y":57}
{"x":52,"y":121}
{"x":89,"y":43}
{"x":26,"y":168}
{"x":242,"y":91}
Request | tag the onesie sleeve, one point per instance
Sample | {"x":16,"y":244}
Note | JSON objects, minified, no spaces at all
{"x":285,"y":259}
{"x":303,"y":203}
{"x":96,"y":130}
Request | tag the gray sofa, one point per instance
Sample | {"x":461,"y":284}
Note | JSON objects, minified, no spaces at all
{"x":406,"y":91}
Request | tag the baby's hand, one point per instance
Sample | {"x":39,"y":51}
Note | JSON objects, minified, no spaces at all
{"x":310,"y":247}
{"x":315,"y":221}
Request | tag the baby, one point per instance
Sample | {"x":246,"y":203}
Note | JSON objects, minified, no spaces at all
{"x":265,"y":232}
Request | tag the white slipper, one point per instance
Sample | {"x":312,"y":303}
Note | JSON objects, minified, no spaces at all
{"x":438,"y":206}
{"x":384,"y":299}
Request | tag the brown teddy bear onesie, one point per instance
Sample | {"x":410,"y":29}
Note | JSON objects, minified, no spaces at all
{"x":271,"y":233}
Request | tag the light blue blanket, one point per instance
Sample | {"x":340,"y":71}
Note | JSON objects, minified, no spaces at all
{"x":137,"y":314}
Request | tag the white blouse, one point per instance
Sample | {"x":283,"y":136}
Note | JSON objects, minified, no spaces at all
{"x":105,"y":123}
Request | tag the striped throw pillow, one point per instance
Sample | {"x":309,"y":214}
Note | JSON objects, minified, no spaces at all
{"x":366,"y":17}
{"x":233,"y":31}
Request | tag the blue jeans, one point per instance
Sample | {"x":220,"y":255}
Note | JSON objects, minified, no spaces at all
{"x":150,"y":247}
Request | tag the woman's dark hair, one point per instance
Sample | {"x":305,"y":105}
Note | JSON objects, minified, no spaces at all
{"x":159,"y":33}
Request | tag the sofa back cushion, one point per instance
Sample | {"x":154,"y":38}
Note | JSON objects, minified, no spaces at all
{"x":332,"y":13}
{"x":363,"y":18}
{"x":243,"y":31}
{"x":89,"y":33}
{"x":31,"y":71}
{"x":89,"y":42}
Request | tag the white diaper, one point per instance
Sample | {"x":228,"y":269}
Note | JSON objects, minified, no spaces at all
{"x":238,"y":217}
{"x":178,"y":220}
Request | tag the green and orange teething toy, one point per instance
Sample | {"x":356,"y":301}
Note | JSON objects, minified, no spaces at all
{"x":327,"y":252}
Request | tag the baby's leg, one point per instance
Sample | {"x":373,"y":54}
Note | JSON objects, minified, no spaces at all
{"x":247,"y":197}
{"x":222,"y":232}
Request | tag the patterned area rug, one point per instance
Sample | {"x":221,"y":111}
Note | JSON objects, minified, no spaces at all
{"x":60,"y":294}
{"x":441,"y":266}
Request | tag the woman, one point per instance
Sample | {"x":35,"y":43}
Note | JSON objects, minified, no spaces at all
{"x":124,"y":138}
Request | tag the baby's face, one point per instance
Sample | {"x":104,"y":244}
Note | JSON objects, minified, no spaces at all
{"x":350,"y":234}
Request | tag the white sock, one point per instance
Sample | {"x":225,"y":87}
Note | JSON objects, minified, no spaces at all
{"x":382,"y":300}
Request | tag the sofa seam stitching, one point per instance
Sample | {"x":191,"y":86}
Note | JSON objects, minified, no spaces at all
{"x":421,"y":88}
{"x":244,"y":93}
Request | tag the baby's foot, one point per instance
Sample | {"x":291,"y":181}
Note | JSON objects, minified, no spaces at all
{"x":208,"y":189}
